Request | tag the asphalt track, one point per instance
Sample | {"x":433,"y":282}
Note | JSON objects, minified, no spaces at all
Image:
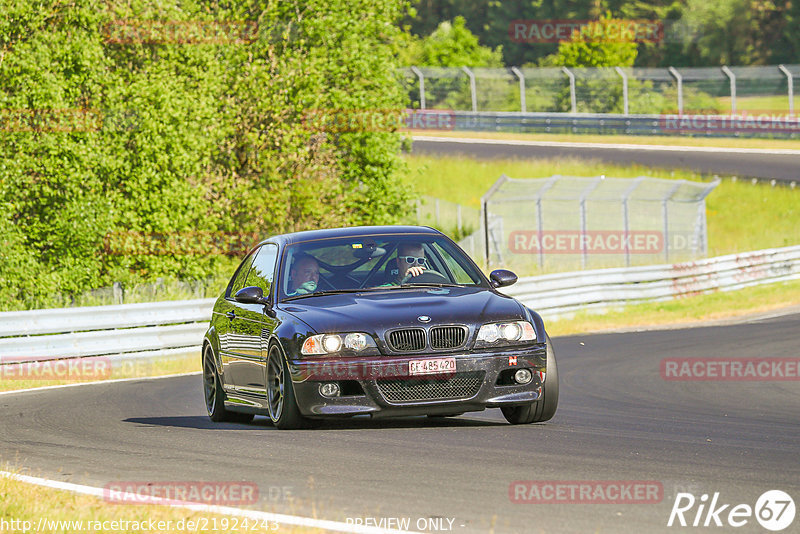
{"x":780,"y":165}
{"x":617,"y":420}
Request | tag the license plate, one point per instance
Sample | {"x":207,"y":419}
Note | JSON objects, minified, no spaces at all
{"x":433,"y":366}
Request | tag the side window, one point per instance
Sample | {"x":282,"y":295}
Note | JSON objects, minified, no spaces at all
{"x":237,"y":282}
{"x":263,"y":272}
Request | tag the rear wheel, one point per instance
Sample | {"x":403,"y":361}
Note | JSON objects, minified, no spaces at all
{"x":214,"y":395}
{"x":545,"y":408}
{"x":283,"y":409}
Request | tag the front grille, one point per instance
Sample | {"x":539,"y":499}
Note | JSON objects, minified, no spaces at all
{"x":448,"y":337}
{"x":459,"y":386}
{"x":409,"y":339}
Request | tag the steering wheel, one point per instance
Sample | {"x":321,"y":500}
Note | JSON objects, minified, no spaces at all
{"x":427,"y":277}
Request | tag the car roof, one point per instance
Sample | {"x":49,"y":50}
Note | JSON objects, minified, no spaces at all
{"x":352,"y":231}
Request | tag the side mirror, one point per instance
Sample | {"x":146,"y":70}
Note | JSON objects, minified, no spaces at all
{"x":250,"y":295}
{"x":502,"y":278}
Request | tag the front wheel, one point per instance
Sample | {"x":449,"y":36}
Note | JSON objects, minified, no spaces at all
{"x":545,"y":408}
{"x":283,"y":408}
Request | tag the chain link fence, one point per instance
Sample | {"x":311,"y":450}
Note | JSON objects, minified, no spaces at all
{"x":695,"y":90}
{"x":565,"y":223}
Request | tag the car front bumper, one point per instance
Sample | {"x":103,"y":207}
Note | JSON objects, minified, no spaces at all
{"x":385,"y":388}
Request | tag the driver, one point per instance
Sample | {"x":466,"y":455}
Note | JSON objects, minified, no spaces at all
{"x":304,"y":276}
{"x":410,"y":262}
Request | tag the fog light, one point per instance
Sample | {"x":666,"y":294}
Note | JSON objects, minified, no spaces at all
{"x":522,"y":376}
{"x":331,"y":389}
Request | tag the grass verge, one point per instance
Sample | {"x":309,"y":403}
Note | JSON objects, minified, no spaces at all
{"x":741,"y":216}
{"x":684,"y":311}
{"x":675,"y":140}
{"x":25,"y":507}
{"x":188,"y":363}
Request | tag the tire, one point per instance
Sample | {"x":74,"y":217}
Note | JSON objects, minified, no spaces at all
{"x":283,"y":409}
{"x":545,"y":408}
{"x":214,"y":394}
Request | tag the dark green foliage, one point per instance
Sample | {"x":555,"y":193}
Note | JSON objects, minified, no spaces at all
{"x":145,"y":130}
{"x":699,"y":32}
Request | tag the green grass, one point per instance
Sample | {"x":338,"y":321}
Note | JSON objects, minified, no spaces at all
{"x":741,"y":216}
{"x":670,"y":140}
{"x":761,"y":104}
{"x":24,"y":502}
{"x":184,"y":363}
{"x":683,"y":311}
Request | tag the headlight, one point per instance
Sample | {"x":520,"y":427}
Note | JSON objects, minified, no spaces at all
{"x":499,"y":334}
{"x":355,"y":343}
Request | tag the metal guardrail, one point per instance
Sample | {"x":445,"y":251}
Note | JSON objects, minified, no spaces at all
{"x":164,"y":328}
{"x":565,"y":293}
{"x":133,"y":330}
{"x":62,"y":320}
{"x":619,"y":124}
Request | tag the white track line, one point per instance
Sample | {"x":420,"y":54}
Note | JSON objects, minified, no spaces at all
{"x":281,"y":519}
{"x":116,"y":380}
{"x":611,"y":146}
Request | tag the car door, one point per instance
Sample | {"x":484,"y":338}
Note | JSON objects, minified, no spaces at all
{"x":223,"y":321}
{"x":252,"y":327}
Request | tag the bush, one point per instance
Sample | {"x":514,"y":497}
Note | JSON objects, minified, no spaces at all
{"x":163,"y":136}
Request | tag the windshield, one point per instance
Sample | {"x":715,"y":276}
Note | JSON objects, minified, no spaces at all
{"x":373,"y":263}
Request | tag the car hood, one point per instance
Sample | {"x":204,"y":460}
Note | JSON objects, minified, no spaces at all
{"x":377,"y":311}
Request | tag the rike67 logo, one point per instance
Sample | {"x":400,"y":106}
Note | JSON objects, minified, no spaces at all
{"x":774,"y":510}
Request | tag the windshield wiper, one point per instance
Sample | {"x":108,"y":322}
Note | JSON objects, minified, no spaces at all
{"x":430,"y":284}
{"x":319,"y":293}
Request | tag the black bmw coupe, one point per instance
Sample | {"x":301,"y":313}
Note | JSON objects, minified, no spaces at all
{"x":385,"y":321}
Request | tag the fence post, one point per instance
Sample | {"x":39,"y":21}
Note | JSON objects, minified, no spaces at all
{"x":436,"y":211}
{"x":665,"y":215}
{"x":421,"y":78}
{"x":485,"y":211}
{"x":472,"y":89}
{"x":732,"y":77}
{"x":540,"y":217}
{"x":572,"y":99}
{"x":790,"y":83}
{"x":117,"y":292}
{"x":679,"y":81}
{"x":624,"y":89}
{"x":458,"y":218}
{"x":625,"y":218}
{"x":583,"y":196}
{"x":522,"y":104}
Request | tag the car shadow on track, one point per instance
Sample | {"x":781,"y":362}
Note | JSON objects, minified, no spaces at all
{"x":354,"y":423}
